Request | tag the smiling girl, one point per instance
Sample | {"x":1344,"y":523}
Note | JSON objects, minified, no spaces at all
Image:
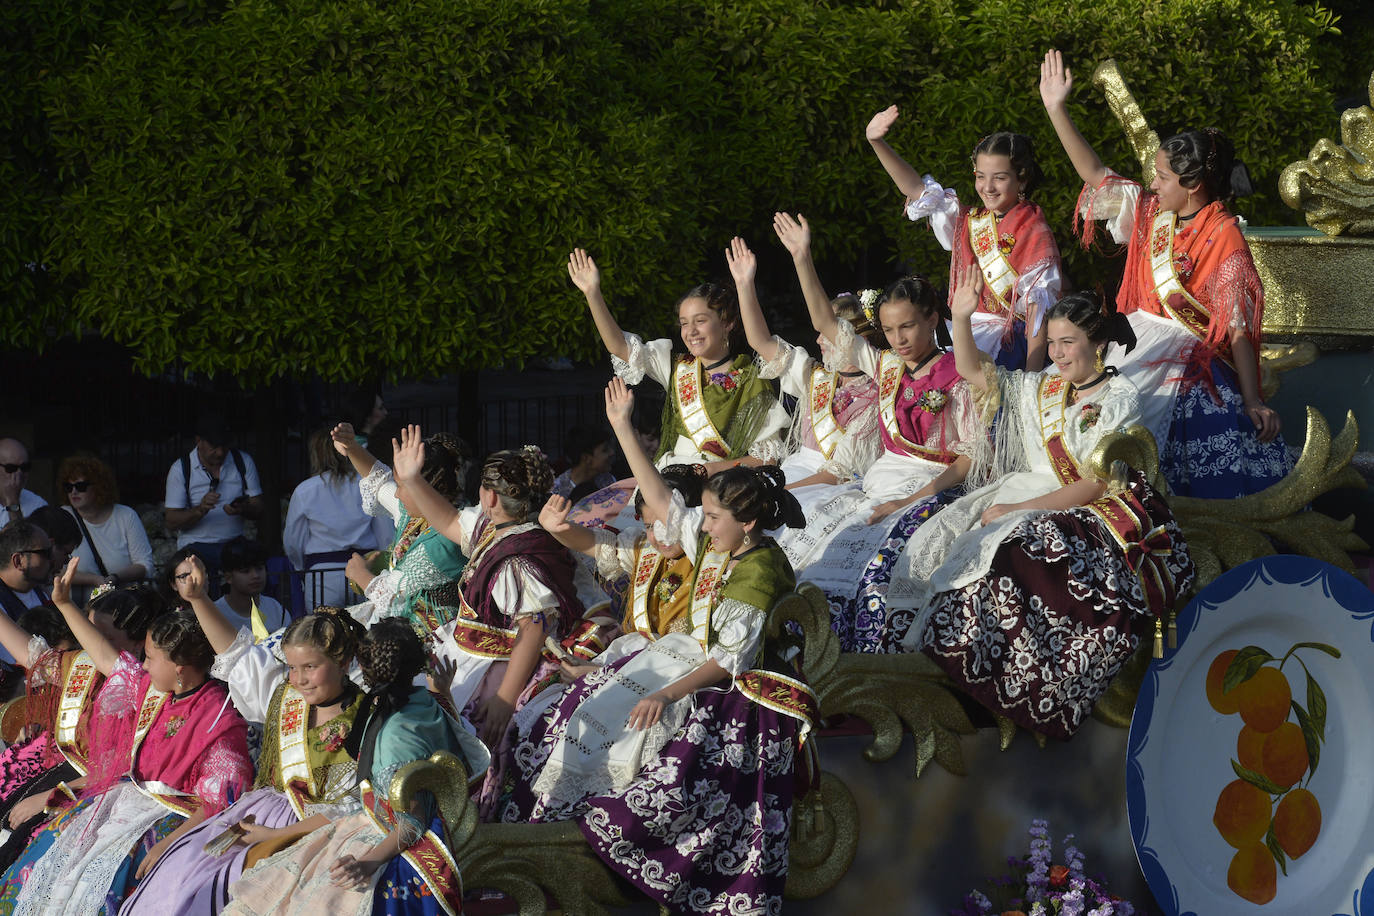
{"x":718,"y":411}
{"x":1031,"y":592}
{"x":1194,"y":300}
{"x":1006,"y":237}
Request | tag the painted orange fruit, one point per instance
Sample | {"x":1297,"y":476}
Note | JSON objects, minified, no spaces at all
{"x":1224,"y":703}
{"x":1283,"y":755}
{"x":1297,"y":821}
{"x":1242,"y":813}
{"x":1264,"y":699}
{"x":1252,"y":874}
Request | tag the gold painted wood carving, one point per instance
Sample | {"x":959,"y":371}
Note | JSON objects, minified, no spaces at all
{"x":1334,"y":185}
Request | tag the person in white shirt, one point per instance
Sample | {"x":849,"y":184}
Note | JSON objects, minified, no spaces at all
{"x":114,"y":546}
{"x":211,"y":491}
{"x":16,"y":501}
{"x":326,"y":524}
{"x":245,"y":576}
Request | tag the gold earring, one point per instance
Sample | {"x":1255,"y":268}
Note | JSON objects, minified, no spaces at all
{"x":1099,"y":365}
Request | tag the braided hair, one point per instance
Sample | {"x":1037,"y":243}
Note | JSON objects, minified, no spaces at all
{"x":687,"y":479}
{"x":757,"y":494}
{"x":1020,"y":150}
{"x":1206,"y":158}
{"x":521,"y":479}
{"x":178,"y":633}
{"x":330,"y":630}
{"x":391,"y":656}
{"x":131,"y":608}
{"x":445,"y":458}
{"x":1091,"y":314}
{"x":921,"y":294}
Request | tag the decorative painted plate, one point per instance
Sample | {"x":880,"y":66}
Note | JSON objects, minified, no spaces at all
{"x":1250,"y":764}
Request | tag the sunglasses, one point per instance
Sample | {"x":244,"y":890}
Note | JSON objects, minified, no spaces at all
{"x":77,"y":486}
{"x":38,"y":550}
{"x":16,"y":468}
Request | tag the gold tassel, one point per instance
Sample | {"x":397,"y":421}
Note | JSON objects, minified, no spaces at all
{"x":1159,"y":637}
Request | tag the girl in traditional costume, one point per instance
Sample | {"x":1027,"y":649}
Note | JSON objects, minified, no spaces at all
{"x":168,"y":752}
{"x":420,"y":581}
{"x":1007,"y":238}
{"x":516,"y":590}
{"x":1032,"y":591}
{"x":41,"y":773}
{"x":718,"y":411}
{"x":1194,"y":299}
{"x":294,"y":685}
{"x":377,"y":860}
{"x":930,"y":435}
{"x":834,"y":434}
{"x":677,"y":757}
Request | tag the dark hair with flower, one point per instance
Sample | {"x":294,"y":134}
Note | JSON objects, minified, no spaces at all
{"x":1035,"y":886}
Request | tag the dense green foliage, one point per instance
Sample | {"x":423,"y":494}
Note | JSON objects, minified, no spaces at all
{"x":294,"y":186}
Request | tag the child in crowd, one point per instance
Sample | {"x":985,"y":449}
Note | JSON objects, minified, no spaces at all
{"x":245,"y":576}
{"x":590,"y":451}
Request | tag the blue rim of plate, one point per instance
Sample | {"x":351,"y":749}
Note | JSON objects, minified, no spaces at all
{"x":1285,"y":569}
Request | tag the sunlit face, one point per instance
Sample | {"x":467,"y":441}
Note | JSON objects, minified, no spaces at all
{"x":703,"y":333}
{"x":648,"y":517}
{"x":996,"y":181}
{"x":250,"y":581}
{"x":909,"y":333}
{"x":1071,"y":351}
{"x":164,"y":672}
{"x":1173,"y":195}
{"x":318,"y":677}
{"x":725,"y":531}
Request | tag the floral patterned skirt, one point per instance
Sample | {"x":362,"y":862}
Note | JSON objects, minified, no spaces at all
{"x":1212,"y":451}
{"x":704,"y":826}
{"x":1039,"y":637}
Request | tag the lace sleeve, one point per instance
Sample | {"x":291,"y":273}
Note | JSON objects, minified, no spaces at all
{"x":1036,"y":290}
{"x":738,"y":632}
{"x":654,"y":359}
{"x":853,"y":349}
{"x":378,"y":490}
{"x":941,"y":206}
{"x":38,"y":647}
{"x":1114,"y":201}
{"x":791,"y":367}
{"x":252,"y":671}
{"x":381,"y":592}
{"x":614,"y":553}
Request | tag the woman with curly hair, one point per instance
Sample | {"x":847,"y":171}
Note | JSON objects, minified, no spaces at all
{"x":378,"y":859}
{"x":40,"y":771}
{"x":676,"y":755}
{"x":168,"y":752}
{"x":114,"y":546}
{"x":517,"y":590}
{"x":419,"y":580}
{"x":295,"y":686}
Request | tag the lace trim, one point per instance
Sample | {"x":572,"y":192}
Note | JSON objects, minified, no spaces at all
{"x":226,"y":660}
{"x":779,"y":365}
{"x":935,"y":198}
{"x":769,"y":451}
{"x":606,"y":553}
{"x":631,"y":369}
{"x":369,"y":487}
{"x":734,"y":656}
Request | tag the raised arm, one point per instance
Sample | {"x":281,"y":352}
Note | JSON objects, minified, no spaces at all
{"x":907,"y":178}
{"x":743,"y":266}
{"x":1056,"y":81}
{"x":553,"y":518}
{"x":218,"y":631}
{"x":587,"y":277}
{"x":620,"y":402}
{"x":15,"y":641}
{"x":795,"y":235}
{"x":967,"y":357}
{"x":346,"y":444}
{"x":408,"y":460}
{"x":101,"y":650}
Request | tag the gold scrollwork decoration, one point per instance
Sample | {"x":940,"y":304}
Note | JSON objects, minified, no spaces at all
{"x":1144,"y":141}
{"x":1334,"y":185}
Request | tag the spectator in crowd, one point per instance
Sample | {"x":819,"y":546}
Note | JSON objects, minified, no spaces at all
{"x":14,"y":474}
{"x":59,"y":525}
{"x":211,"y":491}
{"x":175,"y":571}
{"x":326,"y":524}
{"x":26,"y":578}
{"x":245,"y":576}
{"x":113,"y":547}
{"x":366,"y":411}
{"x":590,"y":453}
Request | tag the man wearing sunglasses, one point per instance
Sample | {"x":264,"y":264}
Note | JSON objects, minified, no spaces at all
{"x":14,"y":474}
{"x":27,"y":555}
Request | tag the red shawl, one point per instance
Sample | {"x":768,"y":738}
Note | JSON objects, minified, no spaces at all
{"x":1024,"y":235}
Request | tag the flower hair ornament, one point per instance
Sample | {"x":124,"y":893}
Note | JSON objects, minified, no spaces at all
{"x":868,"y":298}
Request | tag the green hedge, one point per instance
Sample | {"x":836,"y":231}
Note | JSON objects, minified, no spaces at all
{"x":282,"y":187}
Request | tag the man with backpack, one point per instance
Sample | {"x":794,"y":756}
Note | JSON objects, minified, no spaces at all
{"x":210,"y":493}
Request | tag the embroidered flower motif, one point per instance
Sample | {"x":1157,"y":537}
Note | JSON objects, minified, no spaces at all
{"x":1183,"y":265}
{"x":728,"y":381}
{"x":1006,"y":243}
{"x":1088,"y":418}
{"x":174,"y":725}
{"x":933,"y":400}
{"x":333,"y":734}
{"x":668,"y":586}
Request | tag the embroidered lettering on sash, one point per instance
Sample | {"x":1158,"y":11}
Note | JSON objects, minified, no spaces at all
{"x":428,"y":855}
{"x":1053,"y":397}
{"x":782,"y":694}
{"x":81,"y":677}
{"x":999,"y":277}
{"x":824,"y":424}
{"x":890,"y":369}
{"x":691,"y":407}
{"x":481,"y":639}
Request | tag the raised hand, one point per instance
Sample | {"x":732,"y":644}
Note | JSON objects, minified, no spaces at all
{"x":62,"y":585}
{"x":189,"y":578}
{"x":585,"y":275}
{"x":408,"y":453}
{"x":881,"y":123}
{"x":742,"y":263}
{"x":620,"y":402}
{"x":793,"y":232}
{"x":343,"y":437}
{"x":1056,"y":80}
{"x":553,"y":518}
{"x":440,"y":674}
{"x":969,"y":293}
